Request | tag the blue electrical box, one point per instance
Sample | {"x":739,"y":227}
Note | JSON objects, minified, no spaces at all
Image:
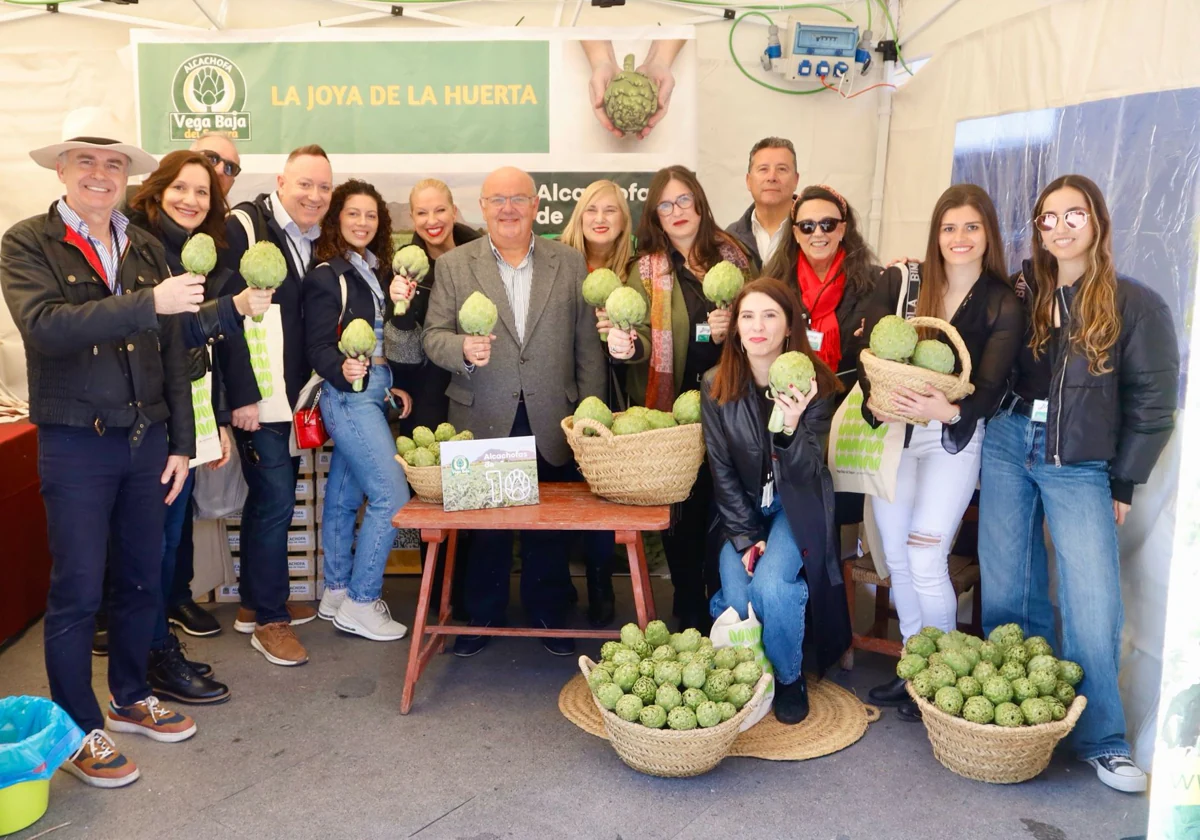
{"x":805,"y":68}
{"x":822,"y":68}
{"x":836,"y":41}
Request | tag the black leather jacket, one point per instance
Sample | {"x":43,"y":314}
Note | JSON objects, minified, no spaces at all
{"x":1124,"y":416}
{"x":738,"y":447}
{"x":96,"y":359}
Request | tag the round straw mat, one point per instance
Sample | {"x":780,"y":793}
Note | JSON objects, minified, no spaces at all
{"x":836,"y":719}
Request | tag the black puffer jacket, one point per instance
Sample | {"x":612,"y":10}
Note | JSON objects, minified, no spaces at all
{"x":738,"y":448}
{"x":1125,"y":416}
{"x":96,"y":359}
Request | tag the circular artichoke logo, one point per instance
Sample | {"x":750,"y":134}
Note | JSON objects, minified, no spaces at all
{"x":209,"y":84}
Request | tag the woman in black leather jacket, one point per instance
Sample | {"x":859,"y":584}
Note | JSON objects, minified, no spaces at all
{"x":1091,"y":407}
{"x":774,"y":494}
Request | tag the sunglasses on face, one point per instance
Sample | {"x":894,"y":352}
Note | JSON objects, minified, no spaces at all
{"x":226,"y":167}
{"x":807,"y":226}
{"x":1075,"y":219}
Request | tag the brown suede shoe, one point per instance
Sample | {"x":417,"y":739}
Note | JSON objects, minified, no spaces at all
{"x":278,"y":644}
{"x":100,"y":764}
{"x":300,"y":613}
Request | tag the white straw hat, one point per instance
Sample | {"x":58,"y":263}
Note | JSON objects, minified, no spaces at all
{"x":94,"y":128}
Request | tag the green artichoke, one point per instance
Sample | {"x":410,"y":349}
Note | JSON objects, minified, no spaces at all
{"x":631,"y":98}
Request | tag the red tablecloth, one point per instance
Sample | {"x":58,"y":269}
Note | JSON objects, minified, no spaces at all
{"x":25,"y":570}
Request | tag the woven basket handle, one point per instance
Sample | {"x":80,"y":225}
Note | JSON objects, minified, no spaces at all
{"x":964,"y":355}
{"x":588,"y":423}
{"x":1073,"y":713}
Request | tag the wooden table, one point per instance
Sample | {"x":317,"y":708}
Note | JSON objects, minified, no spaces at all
{"x":564,"y":507}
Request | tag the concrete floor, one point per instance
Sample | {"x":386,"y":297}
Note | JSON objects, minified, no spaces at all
{"x":322,"y":751}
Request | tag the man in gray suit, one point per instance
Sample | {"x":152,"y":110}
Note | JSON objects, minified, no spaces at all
{"x":543,"y":359}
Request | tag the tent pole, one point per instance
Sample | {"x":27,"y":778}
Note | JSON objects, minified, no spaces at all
{"x":875,"y":215}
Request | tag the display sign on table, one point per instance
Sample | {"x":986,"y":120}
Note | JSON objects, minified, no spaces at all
{"x":492,"y":473}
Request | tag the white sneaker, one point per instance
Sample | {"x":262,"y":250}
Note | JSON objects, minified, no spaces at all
{"x":372,"y":620}
{"x":330,"y":601}
{"x":1119,"y":773}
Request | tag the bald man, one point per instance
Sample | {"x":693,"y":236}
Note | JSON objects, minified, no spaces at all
{"x":542,"y":359}
{"x":223,"y":155}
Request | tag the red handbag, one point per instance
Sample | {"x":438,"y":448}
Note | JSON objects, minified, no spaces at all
{"x":310,"y":427}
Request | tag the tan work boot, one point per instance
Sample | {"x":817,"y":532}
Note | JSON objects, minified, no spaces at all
{"x":278,"y":643}
{"x":297,"y":612}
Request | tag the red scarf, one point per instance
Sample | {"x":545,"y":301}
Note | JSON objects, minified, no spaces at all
{"x":821,"y":299}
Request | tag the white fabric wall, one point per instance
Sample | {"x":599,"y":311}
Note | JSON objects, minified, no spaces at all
{"x":1051,"y":54}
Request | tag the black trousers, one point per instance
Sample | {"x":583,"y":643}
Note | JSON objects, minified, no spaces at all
{"x":96,"y":487}
{"x":691,"y":551}
{"x":546,"y":587}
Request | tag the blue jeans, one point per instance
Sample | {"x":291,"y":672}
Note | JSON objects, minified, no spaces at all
{"x":777,"y":590}
{"x":96,"y":487}
{"x":270,"y":472}
{"x":363,"y":463}
{"x":177,"y":514}
{"x":1019,"y":492}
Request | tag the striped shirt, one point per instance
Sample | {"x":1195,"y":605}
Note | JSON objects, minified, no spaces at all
{"x":110,"y":257}
{"x":518,"y":280}
{"x":299,"y":242}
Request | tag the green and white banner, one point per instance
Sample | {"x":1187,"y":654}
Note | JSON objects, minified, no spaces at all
{"x":393,"y":106}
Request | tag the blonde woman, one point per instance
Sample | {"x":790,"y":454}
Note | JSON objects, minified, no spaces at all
{"x":601,"y":228}
{"x":435,"y":232}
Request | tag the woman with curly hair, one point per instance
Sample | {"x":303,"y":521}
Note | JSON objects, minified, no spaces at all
{"x":350,"y":281}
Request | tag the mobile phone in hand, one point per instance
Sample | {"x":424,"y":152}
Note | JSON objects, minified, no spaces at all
{"x":755,"y":553}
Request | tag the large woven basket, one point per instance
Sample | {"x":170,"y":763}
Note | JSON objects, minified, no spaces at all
{"x":657,"y":467}
{"x":989,"y":753}
{"x":667,"y":752}
{"x":426,"y":482}
{"x":885,"y":375}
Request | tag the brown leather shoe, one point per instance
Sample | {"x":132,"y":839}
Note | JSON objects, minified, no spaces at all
{"x":300,"y":613}
{"x":278,"y":643}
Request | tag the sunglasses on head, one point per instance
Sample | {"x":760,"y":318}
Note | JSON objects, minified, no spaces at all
{"x":807,"y":226}
{"x":1075,"y":219}
{"x":219,"y":163}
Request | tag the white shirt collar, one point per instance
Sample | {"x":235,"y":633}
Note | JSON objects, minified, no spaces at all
{"x":528,"y":254}
{"x":289,"y":226}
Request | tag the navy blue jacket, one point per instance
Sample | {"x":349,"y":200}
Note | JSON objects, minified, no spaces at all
{"x":233,"y":355}
{"x":322,"y":307}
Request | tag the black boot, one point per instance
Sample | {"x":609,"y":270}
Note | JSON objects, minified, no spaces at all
{"x":891,"y":693}
{"x":100,"y":638}
{"x":602,"y":604}
{"x":201,"y":668}
{"x":171,"y":676}
{"x":791,"y":701}
{"x":909,"y":712}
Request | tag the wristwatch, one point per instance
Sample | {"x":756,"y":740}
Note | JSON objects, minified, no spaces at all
{"x":954,"y":419}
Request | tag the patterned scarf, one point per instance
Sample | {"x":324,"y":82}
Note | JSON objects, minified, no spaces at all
{"x":658,"y":277}
{"x":821,"y":299}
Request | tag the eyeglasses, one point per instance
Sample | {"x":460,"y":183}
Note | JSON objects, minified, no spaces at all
{"x":827,"y":225}
{"x":518,"y":201}
{"x":666,"y":208}
{"x":226,"y":167}
{"x":1075,"y":219}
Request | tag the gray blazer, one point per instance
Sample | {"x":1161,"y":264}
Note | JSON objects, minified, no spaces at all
{"x":560,"y":362}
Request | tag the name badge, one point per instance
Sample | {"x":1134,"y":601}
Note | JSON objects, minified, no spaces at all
{"x":768,"y":494}
{"x":1040,"y":411}
{"x":703,"y":333}
{"x":815,"y":339}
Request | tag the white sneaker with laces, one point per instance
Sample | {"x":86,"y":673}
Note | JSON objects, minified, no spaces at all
{"x":331,"y":600}
{"x":372,"y":620}
{"x":1119,"y":773}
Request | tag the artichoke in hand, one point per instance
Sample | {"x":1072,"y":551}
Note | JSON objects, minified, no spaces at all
{"x":412,"y":263}
{"x":631,"y":98}
{"x":199,"y":254}
{"x":477,"y":315}
{"x":263,"y":267}
{"x":358,"y":341}
{"x":791,"y":368}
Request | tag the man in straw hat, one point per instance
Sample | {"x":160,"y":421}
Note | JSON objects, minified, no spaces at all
{"x":109,"y":392}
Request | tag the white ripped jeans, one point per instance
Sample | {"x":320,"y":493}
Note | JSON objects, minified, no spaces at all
{"x":933,"y":489}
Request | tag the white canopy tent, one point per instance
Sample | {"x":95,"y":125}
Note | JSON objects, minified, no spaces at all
{"x":890,"y":154}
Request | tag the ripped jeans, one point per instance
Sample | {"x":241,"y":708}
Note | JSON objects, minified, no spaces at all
{"x":933,"y":489}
